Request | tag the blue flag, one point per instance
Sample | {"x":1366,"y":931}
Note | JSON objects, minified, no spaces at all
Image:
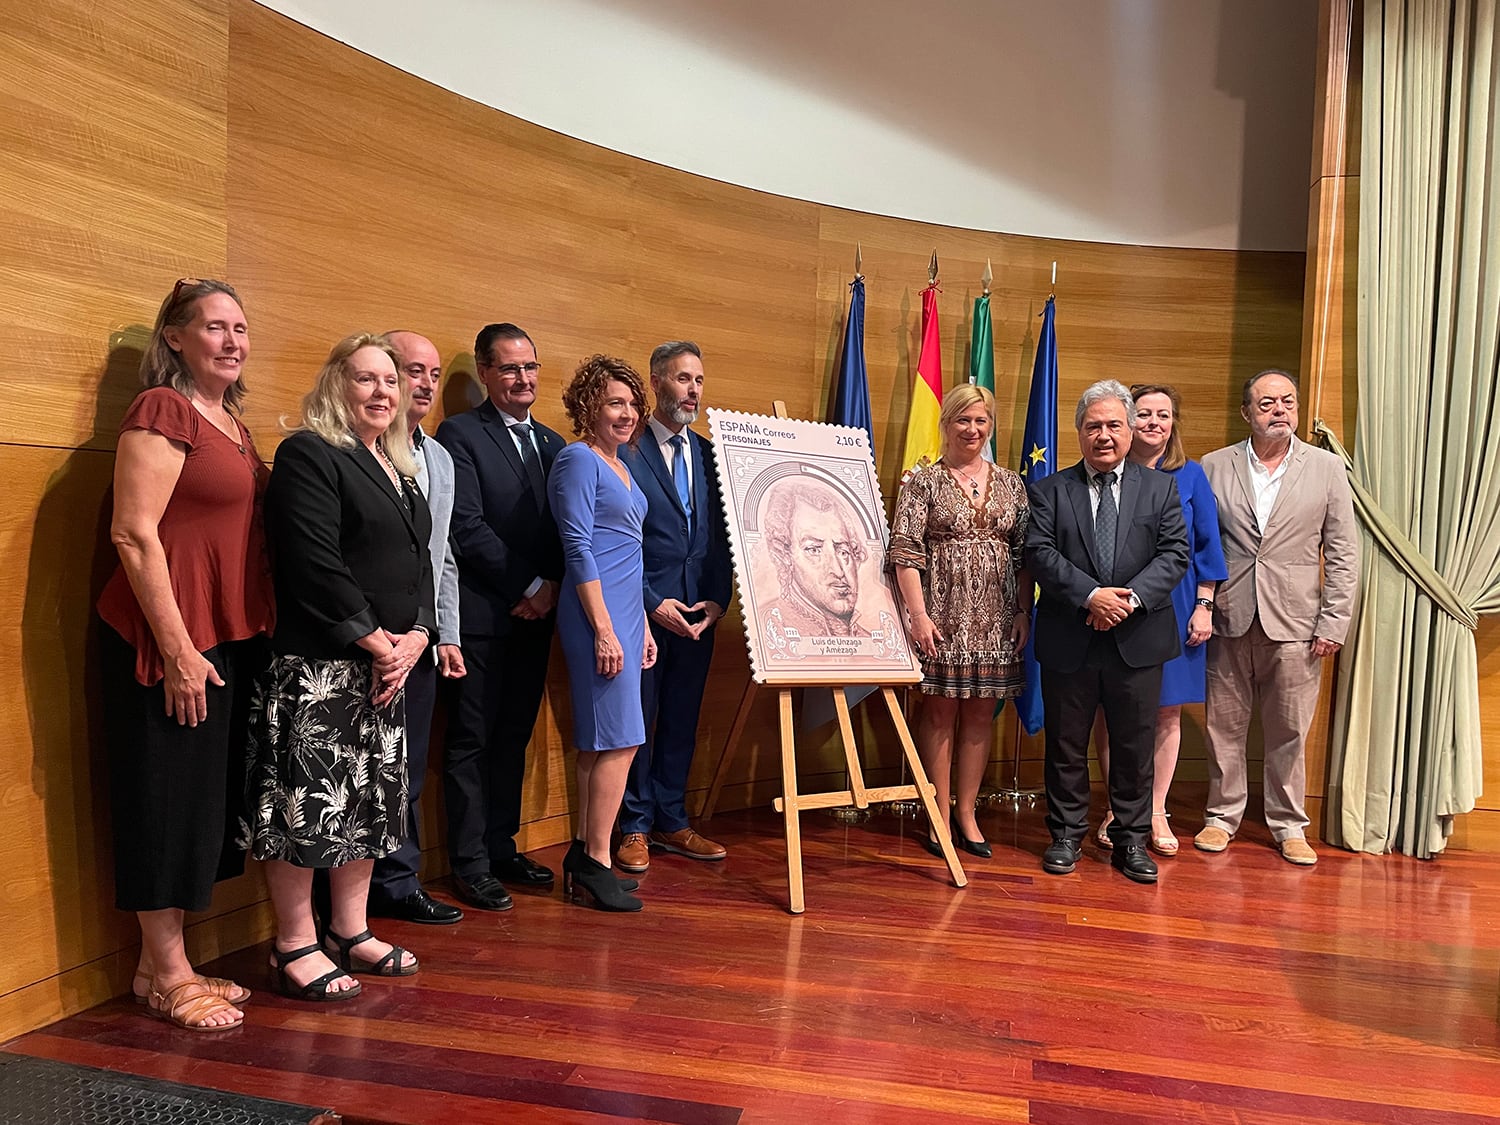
{"x":851,"y":407}
{"x":851,"y":389}
{"x":1038,"y":460}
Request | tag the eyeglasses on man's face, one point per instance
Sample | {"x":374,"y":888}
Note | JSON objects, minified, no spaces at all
{"x":515,"y":370}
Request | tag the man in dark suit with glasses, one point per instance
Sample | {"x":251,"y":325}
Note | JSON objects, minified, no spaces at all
{"x":510,"y":564}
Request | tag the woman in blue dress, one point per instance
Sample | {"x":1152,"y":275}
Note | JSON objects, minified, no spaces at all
{"x":1157,"y":445}
{"x":601,"y":615}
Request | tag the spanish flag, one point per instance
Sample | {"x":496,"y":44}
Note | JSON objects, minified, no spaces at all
{"x":922,"y":437}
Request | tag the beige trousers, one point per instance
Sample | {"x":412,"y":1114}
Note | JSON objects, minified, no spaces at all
{"x":1283,"y":678}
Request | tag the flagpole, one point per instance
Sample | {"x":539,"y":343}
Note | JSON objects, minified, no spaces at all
{"x":1016,"y":795}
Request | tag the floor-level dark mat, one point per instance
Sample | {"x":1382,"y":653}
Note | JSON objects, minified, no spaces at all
{"x":43,"y":1092}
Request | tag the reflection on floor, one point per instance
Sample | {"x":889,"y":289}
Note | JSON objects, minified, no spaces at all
{"x":1239,"y":989}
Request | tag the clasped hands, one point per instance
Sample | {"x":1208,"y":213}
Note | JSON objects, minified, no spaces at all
{"x":1109,"y":606}
{"x":672,"y":616}
{"x":390,"y":668}
{"x":536,"y":607}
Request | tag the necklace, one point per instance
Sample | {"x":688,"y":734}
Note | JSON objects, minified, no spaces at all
{"x":973,"y":484}
{"x":390,"y":468}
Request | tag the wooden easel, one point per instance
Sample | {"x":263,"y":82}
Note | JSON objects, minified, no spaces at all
{"x":791,"y":803}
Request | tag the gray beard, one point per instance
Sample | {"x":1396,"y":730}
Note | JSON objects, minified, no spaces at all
{"x":683,"y":417}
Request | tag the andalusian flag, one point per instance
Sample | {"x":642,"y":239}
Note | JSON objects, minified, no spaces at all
{"x":982,"y":359}
{"x":1038,"y":460}
{"x":922,"y":437}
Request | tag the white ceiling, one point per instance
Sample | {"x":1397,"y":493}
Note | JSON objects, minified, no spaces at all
{"x":1153,"y":122}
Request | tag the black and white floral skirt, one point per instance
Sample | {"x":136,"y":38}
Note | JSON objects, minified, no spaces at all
{"x":326,"y":779}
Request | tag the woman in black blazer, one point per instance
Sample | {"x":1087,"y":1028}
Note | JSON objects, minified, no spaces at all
{"x":348,"y":531}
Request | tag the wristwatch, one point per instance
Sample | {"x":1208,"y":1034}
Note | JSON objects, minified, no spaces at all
{"x":1206,"y":603}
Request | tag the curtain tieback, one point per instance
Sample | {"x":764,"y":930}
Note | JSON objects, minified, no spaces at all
{"x":1394,"y":542}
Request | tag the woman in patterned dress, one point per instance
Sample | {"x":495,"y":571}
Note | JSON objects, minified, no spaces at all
{"x":956,"y":548}
{"x":348,"y":529}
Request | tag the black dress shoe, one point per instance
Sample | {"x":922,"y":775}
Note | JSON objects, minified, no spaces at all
{"x":522,"y":872}
{"x":418,"y":906}
{"x":1061,"y":857}
{"x":981,"y":848}
{"x":483,"y":891}
{"x":1134,"y":862}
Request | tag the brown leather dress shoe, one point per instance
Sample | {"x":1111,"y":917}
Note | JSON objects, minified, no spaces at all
{"x":687,"y":842}
{"x":633,"y":854}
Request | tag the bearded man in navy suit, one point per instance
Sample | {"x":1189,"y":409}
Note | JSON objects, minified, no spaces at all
{"x":510,"y":565}
{"x":687,"y":587}
{"x":1107,"y":544}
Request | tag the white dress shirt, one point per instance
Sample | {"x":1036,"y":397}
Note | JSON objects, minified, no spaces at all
{"x":663,"y":437}
{"x":1265,"y":483}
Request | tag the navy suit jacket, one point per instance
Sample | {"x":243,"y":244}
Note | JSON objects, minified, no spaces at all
{"x":504,"y":536}
{"x":689,"y":564}
{"x":1151,"y":556}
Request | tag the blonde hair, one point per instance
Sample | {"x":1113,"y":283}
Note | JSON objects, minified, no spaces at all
{"x":325,"y":408}
{"x":958,"y":399}
{"x":161,"y":364}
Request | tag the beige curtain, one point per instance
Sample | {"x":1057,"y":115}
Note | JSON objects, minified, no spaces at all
{"x":1406,"y":756}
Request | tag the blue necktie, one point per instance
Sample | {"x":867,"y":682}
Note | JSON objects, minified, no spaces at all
{"x":680,"y":475}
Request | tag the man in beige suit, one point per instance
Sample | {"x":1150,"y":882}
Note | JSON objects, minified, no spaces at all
{"x":1286,"y":519}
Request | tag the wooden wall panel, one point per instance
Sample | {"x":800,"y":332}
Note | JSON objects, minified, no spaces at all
{"x":113,"y":135}
{"x":339,"y":194}
{"x":112,"y":131}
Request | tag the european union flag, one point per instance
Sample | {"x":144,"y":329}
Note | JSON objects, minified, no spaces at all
{"x":1039,"y":459}
{"x":851,"y":389}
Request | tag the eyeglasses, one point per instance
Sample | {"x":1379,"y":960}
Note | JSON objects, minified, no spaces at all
{"x":182,"y":283}
{"x":515,"y":370}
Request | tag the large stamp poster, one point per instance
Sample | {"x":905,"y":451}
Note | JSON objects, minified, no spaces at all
{"x":808,"y":534}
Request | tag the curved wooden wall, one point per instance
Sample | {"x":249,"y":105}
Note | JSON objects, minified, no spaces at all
{"x":152,"y":139}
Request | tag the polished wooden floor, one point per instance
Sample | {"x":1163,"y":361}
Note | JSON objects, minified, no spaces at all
{"x":1240,"y":989}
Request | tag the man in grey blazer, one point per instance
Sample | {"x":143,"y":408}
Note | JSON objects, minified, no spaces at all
{"x":395,"y":891}
{"x":1286,"y":519}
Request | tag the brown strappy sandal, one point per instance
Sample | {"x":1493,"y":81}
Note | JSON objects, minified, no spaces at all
{"x":189,"y":1005}
{"x":235,"y":993}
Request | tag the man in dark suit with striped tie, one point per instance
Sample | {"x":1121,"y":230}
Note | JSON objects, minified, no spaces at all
{"x":1106,"y":543}
{"x":510,"y":565}
{"x":687,"y":587}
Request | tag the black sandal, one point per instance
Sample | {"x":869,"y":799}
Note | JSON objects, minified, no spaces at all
{"x":388,"y":966}
{"x":316,"y":990}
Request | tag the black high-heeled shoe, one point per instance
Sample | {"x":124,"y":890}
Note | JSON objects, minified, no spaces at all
{"x":626,"y":883}
{"x":974,"y":847}
{"x":583,"y":873}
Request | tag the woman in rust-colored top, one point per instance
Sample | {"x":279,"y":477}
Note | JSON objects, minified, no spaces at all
{"x":185,"y":618}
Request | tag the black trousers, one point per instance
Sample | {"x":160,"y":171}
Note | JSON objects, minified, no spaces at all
{"x":490,"y":721}
{"x":1130,"y":698}
{"x":397,"y":875}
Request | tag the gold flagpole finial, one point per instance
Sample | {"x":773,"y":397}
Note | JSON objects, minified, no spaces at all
{"x":932,"y":268}
{"x":858,"y":261}
{"x":987,"y":277}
